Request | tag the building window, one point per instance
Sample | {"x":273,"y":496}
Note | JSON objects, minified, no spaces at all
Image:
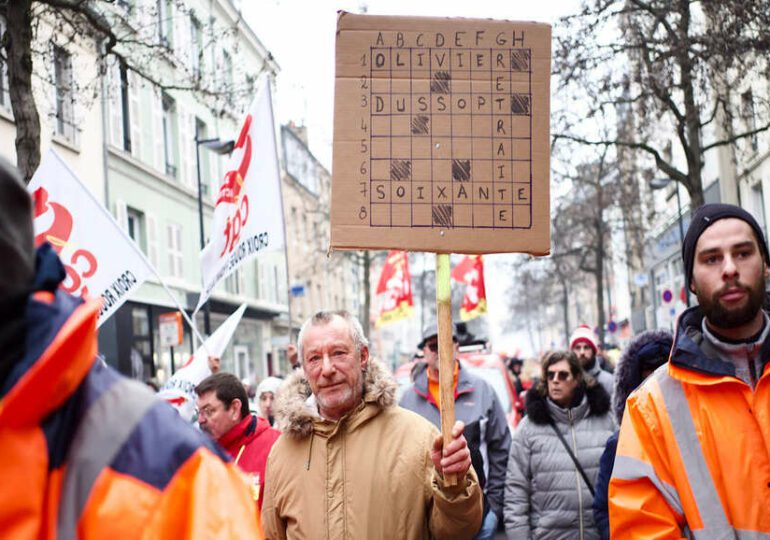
{"x":174,"y":245}
{"x":124,"y":106}
{"x":201,"y":133}
{"x":165,"y":23}
{"x":65,"y":94}
{"x":169,"y":114}
{"x":126,"y":5}
{"x":235,"y":283}
{"x":196,"y":46}
{"x":757,"y":205}
{"x":5,"y":96}
{"x":136,"y":228}
{"x":749,"y":115}
{"x":227,"y":64}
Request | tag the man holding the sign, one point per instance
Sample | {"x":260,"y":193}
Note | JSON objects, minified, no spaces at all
{"x":86,"y":452}
{"x":352,"y":464}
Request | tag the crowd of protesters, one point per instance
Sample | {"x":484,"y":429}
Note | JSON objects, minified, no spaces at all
{"x":673,"y":444}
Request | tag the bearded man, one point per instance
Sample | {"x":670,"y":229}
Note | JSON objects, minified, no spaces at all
{"x":694,"y":451}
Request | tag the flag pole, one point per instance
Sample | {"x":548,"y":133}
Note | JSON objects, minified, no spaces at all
{"x":283,"y":211}
{"x":133,"y":245}
{"x":445,"y":351}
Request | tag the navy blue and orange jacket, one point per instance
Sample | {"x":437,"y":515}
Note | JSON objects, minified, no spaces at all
{"x":86,"y":453}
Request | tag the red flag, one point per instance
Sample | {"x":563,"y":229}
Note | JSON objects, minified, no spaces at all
{"x":395,"y":286}
{"x":471,"y":272}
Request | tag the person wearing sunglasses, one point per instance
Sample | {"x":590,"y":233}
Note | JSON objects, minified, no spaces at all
{"x":477,"y":406}
{"x":555,"y":453}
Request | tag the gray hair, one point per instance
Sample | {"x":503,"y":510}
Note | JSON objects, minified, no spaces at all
{"x":324,"y":317}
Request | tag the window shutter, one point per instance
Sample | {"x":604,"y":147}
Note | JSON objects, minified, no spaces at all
{"x":158,"y":137}
{"x":179,"y":252}
{"x":115,"y":105}
{"x":182,"y":30}
{"x":170,"y":247}
{"x":188,"y":151}
{"x":152,"y":240}
{"x":184,"y":141}
{"x":135,"y":116}
{"x":121,"y":215}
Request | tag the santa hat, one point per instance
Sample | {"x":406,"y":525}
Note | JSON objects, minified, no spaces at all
{"x":585,"y":334}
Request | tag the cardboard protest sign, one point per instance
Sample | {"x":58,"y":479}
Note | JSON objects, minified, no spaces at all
{"x":441,"y":135}
{"x":248,"y":217}
{"x":98,"y":257}
{"x":179,"y":390}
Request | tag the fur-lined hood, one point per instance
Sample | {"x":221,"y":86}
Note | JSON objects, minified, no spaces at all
{"x":627,"y":373}
{"x":295,"y":413}
{"x":595,"y":402}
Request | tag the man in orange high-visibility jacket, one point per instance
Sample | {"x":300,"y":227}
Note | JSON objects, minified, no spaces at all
{"x":693,"y":457}
{"x":87,"y":453}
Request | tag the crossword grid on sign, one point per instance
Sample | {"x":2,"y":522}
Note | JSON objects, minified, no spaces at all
{"x":450,"y":138}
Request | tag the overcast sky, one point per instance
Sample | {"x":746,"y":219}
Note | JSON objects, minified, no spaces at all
{"x":300,"y":34}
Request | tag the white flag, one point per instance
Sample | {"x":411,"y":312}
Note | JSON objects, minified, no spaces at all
{"x":248,"y":219}
{"x":98,"y":257}
{"x":179,"y":390}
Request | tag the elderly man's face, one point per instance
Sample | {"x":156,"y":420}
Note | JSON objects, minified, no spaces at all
{"x":333,"y":368}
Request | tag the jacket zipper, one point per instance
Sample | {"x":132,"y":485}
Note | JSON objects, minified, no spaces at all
{"x":577,"y":474}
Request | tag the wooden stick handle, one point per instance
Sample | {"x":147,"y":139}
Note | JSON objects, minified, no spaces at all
{"x":446,"y":357}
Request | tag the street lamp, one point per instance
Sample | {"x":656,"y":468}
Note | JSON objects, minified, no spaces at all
{"x":661,"y":183}
{"x":218,"y":147}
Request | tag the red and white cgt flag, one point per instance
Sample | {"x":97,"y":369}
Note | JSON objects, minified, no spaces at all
{"x":248,"y":217}
{"x":470,"y":271}
{"x":395,"y":289}
{"x":98,"y":257}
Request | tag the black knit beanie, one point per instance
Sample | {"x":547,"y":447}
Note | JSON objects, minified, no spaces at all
{"x":704,"y":217}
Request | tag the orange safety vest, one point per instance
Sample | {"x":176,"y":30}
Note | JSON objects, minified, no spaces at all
{"x":693,"y":455}
{"x":87,"y":453}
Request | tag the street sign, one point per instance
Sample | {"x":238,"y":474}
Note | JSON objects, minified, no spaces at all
{"x":297,"y":289}
{"x":170,"y":329}
{"x":612,"y":327}
{"x":667,"y":296}
{"x":641,"y":279}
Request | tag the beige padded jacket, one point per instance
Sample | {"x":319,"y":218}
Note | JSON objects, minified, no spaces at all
{"x":367,"y":476}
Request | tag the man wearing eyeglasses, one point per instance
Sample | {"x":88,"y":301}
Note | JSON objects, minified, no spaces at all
{"x":223,"y":413}
{"x":478,"y":407}
{"x":350,"y":463}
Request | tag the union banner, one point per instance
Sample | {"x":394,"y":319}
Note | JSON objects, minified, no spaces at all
{"x":395,"y":289}
{"x":470,"y":271}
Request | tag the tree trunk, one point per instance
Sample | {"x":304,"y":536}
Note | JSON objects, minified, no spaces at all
{"x":565,"y":308}
{"x":692,"y":145}
{"x":26,"y":118}
{"x":599,"y":276}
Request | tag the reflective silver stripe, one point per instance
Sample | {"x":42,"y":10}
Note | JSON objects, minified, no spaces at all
{"x":628,"y":468}
{"x":712,"y":513}
{"x":751,"y":535}
{"x":104,"y":428}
